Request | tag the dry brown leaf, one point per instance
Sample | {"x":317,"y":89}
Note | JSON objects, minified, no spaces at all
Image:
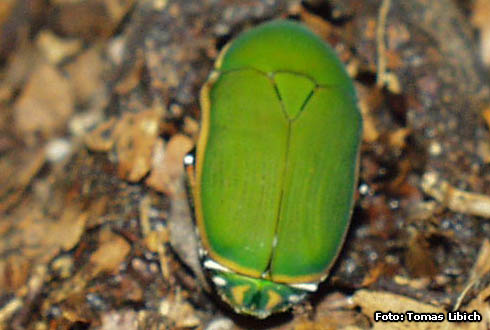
{"x":17,"y":174}
{"x":366,"y":104}
{"x":480,"y":269}
{"x":482,"y":265}
{"x":33,"y":239}
{"x":45,"y":104}
{"x":341,"y":319}
{"x":14,"y":271}
{"x":484,"y":145}
{"x":133,"y":77}
{"x":221,"y":323}
{"x":415,"y":283}
{"x":486,"y":116}
{"x":135,"y":136}
{"x":481,"y":19}
{"x":419,"y":259}
{"x":66,"y":232}
{"x":17,"y":69}
{"x":86,"y":74}
{"x":316,"y":23}
{"x":5,"y":10}
{"x":179,"y":311}
{"x":91,"y":18}
{"x":112,"y":251}
{"x":42,"y":234}
{"x":86,"y":19}
{"x":167,"y":165}
{"x":374,"y":274}
{"x":117,"y":9}
{"x":124,"y":319}
{"x":310,"y":325}
{"x":13,"y":29}
{"x":56,"y":49}
{"x":484,"y":150}
{"x":333,"y":312}
{"x":63,"y":266}
{"x":102,"y":137}
{"x":97,"y":210}
{"x":397,"y":137}
{"x":482,"y":304}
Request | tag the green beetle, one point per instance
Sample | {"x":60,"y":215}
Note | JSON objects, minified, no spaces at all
{"x":275,"y":167}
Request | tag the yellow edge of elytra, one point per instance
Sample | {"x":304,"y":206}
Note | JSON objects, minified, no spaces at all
{"x":221,"y":55}
{"x":201,"y":147}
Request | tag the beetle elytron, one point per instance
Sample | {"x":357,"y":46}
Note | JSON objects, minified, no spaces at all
{"x":275,"y":167}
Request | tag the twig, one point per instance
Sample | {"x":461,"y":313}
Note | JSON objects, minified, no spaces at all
{"x":380,"y":36}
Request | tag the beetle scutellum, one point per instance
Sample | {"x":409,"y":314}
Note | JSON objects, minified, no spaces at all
{"x":275,"y":167}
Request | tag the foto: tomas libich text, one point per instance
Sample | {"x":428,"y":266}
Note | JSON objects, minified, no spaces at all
{"x":411,"y":316}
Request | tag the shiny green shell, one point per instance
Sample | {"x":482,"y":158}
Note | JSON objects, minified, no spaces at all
{"x":276,"y":166}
